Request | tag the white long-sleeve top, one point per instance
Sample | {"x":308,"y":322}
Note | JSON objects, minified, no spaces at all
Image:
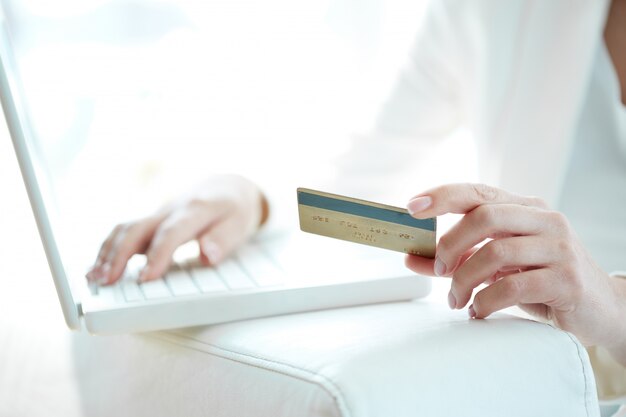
{"x":530,"y":80}
{"x":516,"y":74}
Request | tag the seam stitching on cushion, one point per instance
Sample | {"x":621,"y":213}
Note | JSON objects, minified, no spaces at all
{"x":332,"y":389}
{"x":580,"y":358}
{"x":582,"y":365}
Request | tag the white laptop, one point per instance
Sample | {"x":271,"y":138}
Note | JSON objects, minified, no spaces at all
{"x":268,"y":276}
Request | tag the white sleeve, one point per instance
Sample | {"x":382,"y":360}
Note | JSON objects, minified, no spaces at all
{"x":426,"y":99}
{"x":610,"y":375}
{"x":425,"y":105}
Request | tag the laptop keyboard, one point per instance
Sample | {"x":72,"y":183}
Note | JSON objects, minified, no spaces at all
{"x":249,"y":268}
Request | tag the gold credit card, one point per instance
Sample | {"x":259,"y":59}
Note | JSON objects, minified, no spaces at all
{"x":365,"y":222}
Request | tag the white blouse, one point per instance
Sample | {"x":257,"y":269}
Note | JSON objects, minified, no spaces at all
{"x":594,"y":196}
{"x":594,"y":191}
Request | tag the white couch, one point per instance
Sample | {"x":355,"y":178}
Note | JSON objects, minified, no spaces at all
{"x":401,"y":359}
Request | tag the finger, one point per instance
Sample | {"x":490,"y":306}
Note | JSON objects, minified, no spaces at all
{"x":539,"y":310}
{"x":488,"y":221}
{"x":132,"y":240}
{"x":425,"y":266}
{"x":537,"y":286}
{"x":420,"y":265}
{"x":463,"y":198}
{"x":173,"y":232}
{"x":220,"y":240}
{"x":106,"y":246}
{"x":499,"y":258}
{"x":501,"y":274}
{"x":99,"y":270}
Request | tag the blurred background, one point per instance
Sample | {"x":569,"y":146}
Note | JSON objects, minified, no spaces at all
{"x":133,"y":101}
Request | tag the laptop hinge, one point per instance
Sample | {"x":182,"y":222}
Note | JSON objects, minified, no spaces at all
{"x":79,"y":307}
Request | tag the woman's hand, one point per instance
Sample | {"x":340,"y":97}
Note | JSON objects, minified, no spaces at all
{"x":533,"y":260}
{"x":220,"y":214}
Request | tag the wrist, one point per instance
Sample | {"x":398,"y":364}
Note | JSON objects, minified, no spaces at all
{"x":265,"y":209}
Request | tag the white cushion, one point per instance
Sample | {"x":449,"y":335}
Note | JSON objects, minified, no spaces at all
{"x":399,"y":359}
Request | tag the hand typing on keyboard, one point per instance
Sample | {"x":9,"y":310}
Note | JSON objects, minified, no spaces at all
{"x":221,"y":214}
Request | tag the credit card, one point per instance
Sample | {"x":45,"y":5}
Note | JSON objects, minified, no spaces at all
{"x":365,"y":222}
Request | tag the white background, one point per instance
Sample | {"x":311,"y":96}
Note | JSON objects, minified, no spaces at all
{"x":134,"y":100}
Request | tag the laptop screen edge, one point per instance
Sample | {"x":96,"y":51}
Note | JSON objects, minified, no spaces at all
{"x":20,"y":145}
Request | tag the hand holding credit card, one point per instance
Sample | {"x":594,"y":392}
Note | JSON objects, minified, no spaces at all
{"x":366,"y":222}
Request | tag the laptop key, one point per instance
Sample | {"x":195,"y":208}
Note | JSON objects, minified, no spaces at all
{"x":234,"y":277}
{"x":258,"y":265}
{"x":208,"y":280}
{"x":131,"y":290}
{"x":111,"y":294}
{"x":180,"y":283}
{"x":155,"y":289}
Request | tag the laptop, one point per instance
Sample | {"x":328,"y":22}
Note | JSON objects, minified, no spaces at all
{"x":271,"y":275}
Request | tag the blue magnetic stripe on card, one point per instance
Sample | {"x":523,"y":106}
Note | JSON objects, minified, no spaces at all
{"x":363,"y":210}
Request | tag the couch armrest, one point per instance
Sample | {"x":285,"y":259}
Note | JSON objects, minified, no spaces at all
{"x":400,"y":359}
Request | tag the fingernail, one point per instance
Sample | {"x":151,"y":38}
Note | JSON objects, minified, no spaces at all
{"x":471,"y":312}
{"x":99,"y":273}
{"x":105,"y":271}
{"x":419,"y":204}
{"x":451,"y":300}
{"x":212,"y":252}
{"x":440,"y":267}
{"x":143,"y":275}
{"x":90,"y":275}
{"x":94,"y":271}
